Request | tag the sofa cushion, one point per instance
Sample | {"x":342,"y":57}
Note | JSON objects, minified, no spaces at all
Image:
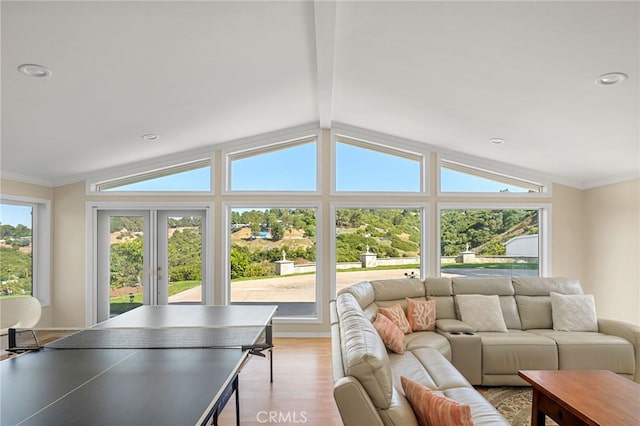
{"x":535,"y":312}
{"x":434,"y":409}
{"x":389,"y":292}
{"x":530,"y":286}
{"x":573,"y":312}
{"x":421,"y":314}
{"x":487,"y":286}
{"x":428,"y":339}
{"x":364,"y":295}
{"x":482,"y":413}
{"x":364,"y":354}
{"x":482,"y":313}
{"x":396,"y":314}
{"x":592,"y":351}
{"x":506,"y":353}
{"x":440,"y":291}
{"x":429,"y":367}
{"x":391,"y":335}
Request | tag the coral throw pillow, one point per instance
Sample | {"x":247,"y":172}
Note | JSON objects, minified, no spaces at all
{"x":391,"y":335}
{"x":396,"y":314}
{"x":432,"y":409}
{"x":421,"y":314}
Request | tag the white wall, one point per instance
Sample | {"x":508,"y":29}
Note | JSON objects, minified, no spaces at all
{"x":612,"y":249}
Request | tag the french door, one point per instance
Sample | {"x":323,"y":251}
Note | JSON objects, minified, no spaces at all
{"x":149,"y":257}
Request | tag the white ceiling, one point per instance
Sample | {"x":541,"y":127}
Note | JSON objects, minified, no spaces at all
{"x":449,"y":74}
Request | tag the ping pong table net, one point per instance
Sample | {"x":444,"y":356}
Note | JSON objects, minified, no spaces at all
{"x":251,"y":338}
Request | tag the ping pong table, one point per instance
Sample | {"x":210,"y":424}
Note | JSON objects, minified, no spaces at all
{"x":156,"y":365}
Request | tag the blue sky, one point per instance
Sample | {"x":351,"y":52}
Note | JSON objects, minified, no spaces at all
{"x":294,"y":169}
{"x":15,"y":215}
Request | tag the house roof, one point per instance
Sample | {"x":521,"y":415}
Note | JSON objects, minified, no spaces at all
{"x":451,"y":75}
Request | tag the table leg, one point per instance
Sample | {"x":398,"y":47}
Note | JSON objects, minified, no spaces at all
{"x":537,"y":416}
{"x":237,"y":381}
{"x":269,"y":337}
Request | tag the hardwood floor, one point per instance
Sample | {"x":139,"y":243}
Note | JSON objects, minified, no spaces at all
{"x":301,"y":392}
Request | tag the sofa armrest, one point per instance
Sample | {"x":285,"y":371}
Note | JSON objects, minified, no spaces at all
{"x":354,"y":404}
{"x":628,"y":331}
{"x":453,"y":325}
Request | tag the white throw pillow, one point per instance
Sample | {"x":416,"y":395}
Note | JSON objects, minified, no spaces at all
{"x":482,"y":313}
{"x":573,"y":312}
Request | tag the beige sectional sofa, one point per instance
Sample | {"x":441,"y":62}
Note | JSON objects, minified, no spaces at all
{"x":454,"y":357}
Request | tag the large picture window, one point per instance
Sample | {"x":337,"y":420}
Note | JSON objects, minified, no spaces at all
{"x":273,"y":258}
{"x":16,"y":250}
{"x":273,"y":193}
{"x":483,"y":242}
{"x":24,"y":248}
{"x":377,"y":243}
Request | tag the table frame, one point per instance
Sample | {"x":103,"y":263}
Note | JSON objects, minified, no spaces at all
{"x":583,"y":397}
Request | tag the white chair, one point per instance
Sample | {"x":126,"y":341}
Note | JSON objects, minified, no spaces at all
{"x":19,"y":312}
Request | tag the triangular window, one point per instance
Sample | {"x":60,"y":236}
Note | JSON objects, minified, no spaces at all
{"x":195,"y":176}
{"x":457,"y":177}
{"x":362,"y":166}
{"x":285,"y":167}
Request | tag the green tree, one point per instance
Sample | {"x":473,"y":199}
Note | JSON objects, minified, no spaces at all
{"x":185,"y":258}
{"x":239,"y":262}
{"x":126,"y":263}
{"x":277,"y":233}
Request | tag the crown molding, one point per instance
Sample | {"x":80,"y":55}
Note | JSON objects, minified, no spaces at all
{"x":27,"y":179}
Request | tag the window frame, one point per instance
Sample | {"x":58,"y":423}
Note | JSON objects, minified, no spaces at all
{"x":386,"y":145}
{"x":40,"y":244}
{"x":93,"y":187}
{"x":424,"y":228}
{"x":92,"y":242}
{"x":226,"y":253}
{"x":544,"y":228}
{"x":266,"y":145}
{"x":487,"y":169}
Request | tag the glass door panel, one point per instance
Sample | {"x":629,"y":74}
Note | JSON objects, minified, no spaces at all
{"x":180,"y":253}
{"x":123,"y":278}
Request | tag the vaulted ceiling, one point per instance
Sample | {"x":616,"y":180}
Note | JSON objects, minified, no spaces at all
{"x":449,"y":74}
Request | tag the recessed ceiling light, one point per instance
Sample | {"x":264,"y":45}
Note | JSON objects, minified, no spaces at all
{"x":150,"y":137}
{"x":496,"y":141}
{"x":34,"y":70}
{"x":611,"y":78}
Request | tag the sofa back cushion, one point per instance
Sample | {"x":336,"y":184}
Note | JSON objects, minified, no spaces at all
{"x":492,"y":286}
{"x":364,"y":355}
{"x":544,"y":286}
{"x":440,"y":291}
{"x":395,"y":291}
{"x":535,"y":312}
{"x":362,"y":292}
{"x":364,"y":295}
{"x":534,"y":302}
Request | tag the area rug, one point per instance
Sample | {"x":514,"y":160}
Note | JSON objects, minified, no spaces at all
{"x":514,"y":403}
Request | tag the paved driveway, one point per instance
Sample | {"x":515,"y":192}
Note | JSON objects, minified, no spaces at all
{"x":301,"y":288}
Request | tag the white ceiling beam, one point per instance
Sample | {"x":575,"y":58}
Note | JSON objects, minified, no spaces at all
{"x":325,"y":26}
